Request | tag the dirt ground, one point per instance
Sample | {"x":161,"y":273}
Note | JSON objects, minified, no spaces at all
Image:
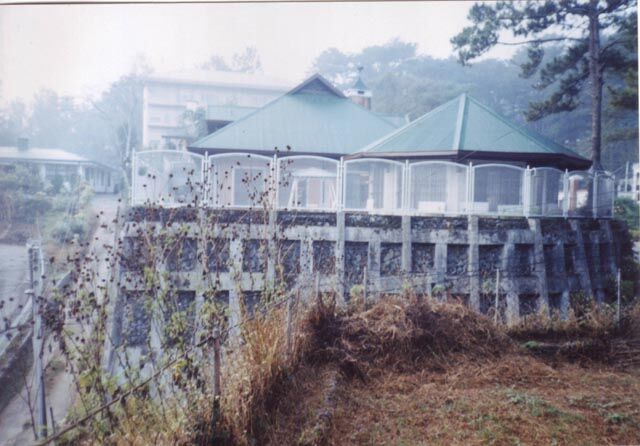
{"x":14,"y":278}
{"x":445,"y":377}
{"x":516,"y":400}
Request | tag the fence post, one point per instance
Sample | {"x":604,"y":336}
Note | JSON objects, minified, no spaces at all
{"x":497,"y":301}
{"x":289,"y":326}
{"x":364,"y":284}
{"x":594,"y":211}
{"x":216,"y":367}
{"x":205,"y":180}
{"x":342,"y":193}
{"x":526,"y":190}
{"x":406,"y":179}
{"x":38,"y":348}
{"x":565,"y":194}
{"x":317,"y":286}
{"x":275,"y":180}
{"x":470,"y":189}
{"x":619,"y":296}
{"x":613,"y":196}
{"x":133,"y":179}
{"x":216,"y":187}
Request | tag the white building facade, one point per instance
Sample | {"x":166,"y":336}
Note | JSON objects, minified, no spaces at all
{"x":629,"y":187}
{"x":166,"y":98}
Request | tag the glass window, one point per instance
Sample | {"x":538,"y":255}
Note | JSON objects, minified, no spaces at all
{"x":438,"y":187}
{"x":373,"y":185}
{"x":307,"y":183}
{"x":498,"y":189}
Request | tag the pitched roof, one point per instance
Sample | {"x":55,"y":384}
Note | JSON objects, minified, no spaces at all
{"x":314,"y":117}
{"x":13,"y":154}
{"x":465,"y":125}
{"x":359,"y":84}
{"x":40,"y":154}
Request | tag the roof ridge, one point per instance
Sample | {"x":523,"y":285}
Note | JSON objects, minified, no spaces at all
{"x":462,"y":107}
{"x":406,"y":127}
{"x":291,"y":92}
{"x":314,"y":77}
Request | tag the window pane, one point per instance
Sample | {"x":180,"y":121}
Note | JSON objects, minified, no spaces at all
{"x":373,"y":185}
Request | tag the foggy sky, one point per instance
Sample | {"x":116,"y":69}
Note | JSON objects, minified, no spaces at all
{"x":79,"y":49}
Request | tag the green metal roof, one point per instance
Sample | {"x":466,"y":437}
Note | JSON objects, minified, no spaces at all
{"x":359,"y":84}
{"x":314,"y":117}
{"x":465,"y":125}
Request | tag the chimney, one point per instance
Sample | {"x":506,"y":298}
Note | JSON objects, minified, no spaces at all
{"x":359,"y":92}
{"x":23,"y":144}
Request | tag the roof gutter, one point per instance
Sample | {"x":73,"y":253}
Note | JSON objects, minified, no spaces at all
{"x":532,"y":159}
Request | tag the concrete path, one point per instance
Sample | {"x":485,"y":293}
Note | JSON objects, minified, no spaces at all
{"x":14,"y":278}
{"x":15,"y":419}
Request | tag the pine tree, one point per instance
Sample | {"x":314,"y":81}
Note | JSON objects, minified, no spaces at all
{"x":581,"y":26}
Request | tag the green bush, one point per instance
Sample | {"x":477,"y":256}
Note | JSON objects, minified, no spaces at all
{"x":28,"y":207}
{"x":85,"y":194}
{"x":62,"y":203}
{"x":628,"y":210}
{"x":67,"y":229}
{"x":56,"y":184}
{"x":20,"y":179}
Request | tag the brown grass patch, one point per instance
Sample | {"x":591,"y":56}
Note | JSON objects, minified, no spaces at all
{"x":418,"y":372}
{"x":511,"y":400}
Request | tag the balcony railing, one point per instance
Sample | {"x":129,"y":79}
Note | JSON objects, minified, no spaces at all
{"x":311,"y":183}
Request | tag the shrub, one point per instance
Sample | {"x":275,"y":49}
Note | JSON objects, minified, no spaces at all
{"x":85,"y":194}
{"x":29,"y":207}
{"x":628,"y":210}
{"x":56,"y":183}
{"x":65,"y":230}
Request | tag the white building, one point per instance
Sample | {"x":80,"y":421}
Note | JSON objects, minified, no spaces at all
{"x":225,"y":97}
{"x":629,"y":187}
{"x":52,"y":163}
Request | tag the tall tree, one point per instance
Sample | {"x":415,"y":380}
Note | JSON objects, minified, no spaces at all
{"x":626,"y":96}
{"x":579,"y":25}
{"x":121,"y":107}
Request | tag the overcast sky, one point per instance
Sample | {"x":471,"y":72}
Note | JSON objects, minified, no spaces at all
{"x":79,"y":49}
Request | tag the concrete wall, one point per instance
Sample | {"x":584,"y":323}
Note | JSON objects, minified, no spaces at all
{"x":541,"y":261}
{"x":228,"y":256}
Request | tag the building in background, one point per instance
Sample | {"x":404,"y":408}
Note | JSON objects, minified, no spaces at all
{"x":629,"y":185}
{"x":56,"y":163}
{"x":220,"y":97}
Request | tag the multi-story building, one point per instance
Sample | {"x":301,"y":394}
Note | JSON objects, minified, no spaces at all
{"x":629,"y":186}
{"x":222,"y":96}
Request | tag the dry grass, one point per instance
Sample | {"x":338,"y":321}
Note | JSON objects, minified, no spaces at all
{"x":423,"y":373}
{"x":410,"y":372}
{"x":513,"y":400}
{"x":592,"y":321}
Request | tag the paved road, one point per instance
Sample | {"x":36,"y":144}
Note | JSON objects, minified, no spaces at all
{"x":15,"y":421}
{"x":14,"y":279}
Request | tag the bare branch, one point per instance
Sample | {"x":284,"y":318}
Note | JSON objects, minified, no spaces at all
{"x":539,"y":41}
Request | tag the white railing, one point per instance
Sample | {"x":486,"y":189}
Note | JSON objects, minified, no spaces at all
{"x":167,"y":178}
{"x":241,"y":180}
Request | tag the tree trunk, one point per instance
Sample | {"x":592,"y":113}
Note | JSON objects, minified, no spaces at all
{"x":595,"y":77}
